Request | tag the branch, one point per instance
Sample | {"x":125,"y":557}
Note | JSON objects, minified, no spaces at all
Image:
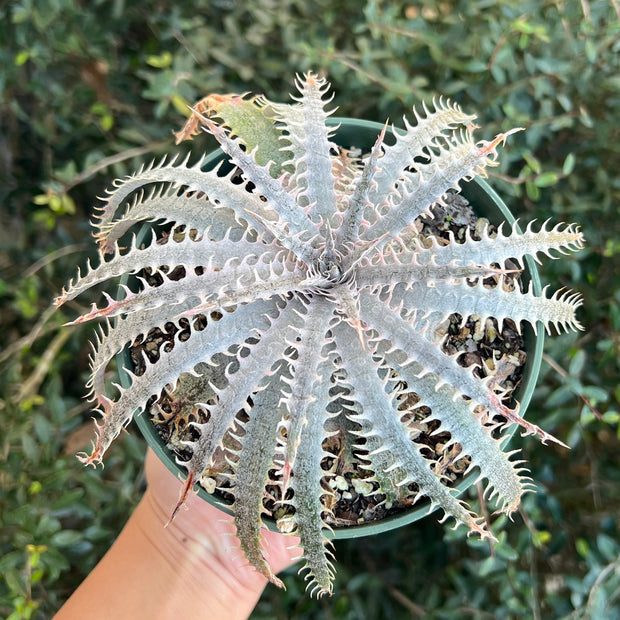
{"x":564,"y":374}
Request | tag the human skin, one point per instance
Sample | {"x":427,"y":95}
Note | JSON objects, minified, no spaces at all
{"x":190,"y":568}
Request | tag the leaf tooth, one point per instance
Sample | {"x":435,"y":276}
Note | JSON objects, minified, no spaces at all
{"x":101,"y":442}
{"x":96,"y":455}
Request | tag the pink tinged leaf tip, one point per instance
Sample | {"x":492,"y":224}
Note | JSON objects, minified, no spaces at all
{"x":529,"y":429}
{"x":489,"y":147}
{"x":482,"y":531}
{"x":93,"y":459}
{"x":189,"y":484}
{"x":96,"y":456}
{"x":357,"y":324}
{"x":286,"y":476}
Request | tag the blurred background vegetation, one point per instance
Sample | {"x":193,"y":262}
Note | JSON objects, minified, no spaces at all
{"x":89,"y":90}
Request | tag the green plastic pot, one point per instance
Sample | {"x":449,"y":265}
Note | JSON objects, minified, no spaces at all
{"x":361,"y":134}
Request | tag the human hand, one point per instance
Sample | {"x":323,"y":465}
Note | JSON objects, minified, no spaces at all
{"x":191,"y":568}
{"x":207,"y":534}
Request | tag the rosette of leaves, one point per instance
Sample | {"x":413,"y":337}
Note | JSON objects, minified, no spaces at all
{"x":318,"y":299}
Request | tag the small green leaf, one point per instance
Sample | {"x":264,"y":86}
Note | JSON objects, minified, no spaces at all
{"x":42,"y":428}
{"x":21,"y":58}
{"x":66,"y":538}
{"x":30,"y":448}
{"x":11,"y":560}
{"x":587,"y":416}
{"x":503,"y":550}
{"x":532,"y":162}
{"x":36,"y":575}
{"x":541,"y":538}
{"x":595,"y":394}
{"x":591,"y":52}
{"x":106,"y":122}
{"x":569,"y":164}
{"x":41,"y":199}
{"x":546,"y":179}
{"x":560,"y":396}
{"x":532,"y":191}
{"x":585,"y":118}
{"x":161,"y":61}
{"x":15,"y":582}
{"x":180,"y":104}
{"x":35,"y":487}
{"x":582,"y":547}
{"x":490,"y":565}
{"x":608,"y":547}
{"x":577,"y":363}
{"x":55,"y":203}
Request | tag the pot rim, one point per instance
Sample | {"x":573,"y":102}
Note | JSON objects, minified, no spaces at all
{"x":476,"y":191}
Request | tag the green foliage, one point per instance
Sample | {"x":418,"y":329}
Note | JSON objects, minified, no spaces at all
{"x":53,"y":514}
{"x":73,"y":93}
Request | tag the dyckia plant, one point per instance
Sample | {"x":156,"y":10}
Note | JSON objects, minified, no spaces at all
{"x":308,"y":300}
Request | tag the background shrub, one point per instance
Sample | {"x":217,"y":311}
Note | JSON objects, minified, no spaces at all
{"x":88,"y":91}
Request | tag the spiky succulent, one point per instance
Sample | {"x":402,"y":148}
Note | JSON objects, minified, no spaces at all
{"x":318,"y":299}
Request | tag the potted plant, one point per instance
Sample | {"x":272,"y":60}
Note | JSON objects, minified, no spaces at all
{"x":292,"y":328}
